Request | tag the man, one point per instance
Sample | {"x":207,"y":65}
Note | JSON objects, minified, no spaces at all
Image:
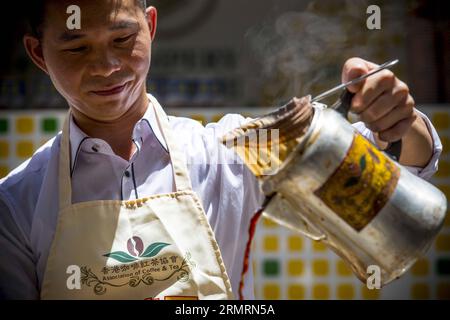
{"x":115,"y":206}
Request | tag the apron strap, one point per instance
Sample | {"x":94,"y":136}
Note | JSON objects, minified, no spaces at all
{"x":65,"y":186}
{"x":181,"y":175}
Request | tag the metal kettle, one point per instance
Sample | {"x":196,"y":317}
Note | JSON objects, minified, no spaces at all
{"x":336,"y":187}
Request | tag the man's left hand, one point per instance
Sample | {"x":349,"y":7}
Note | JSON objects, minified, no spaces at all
{"x":385,"y":106}
{"x":382,"y":101}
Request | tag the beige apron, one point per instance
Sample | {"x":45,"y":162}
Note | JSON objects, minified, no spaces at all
{"x":161,"y":247}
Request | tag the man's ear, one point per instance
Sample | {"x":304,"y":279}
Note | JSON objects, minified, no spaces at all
{"x":152,"y":20}
{"x":33,"y":48}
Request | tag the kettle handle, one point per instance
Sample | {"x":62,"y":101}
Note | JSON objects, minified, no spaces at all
{"x":343,"y":106}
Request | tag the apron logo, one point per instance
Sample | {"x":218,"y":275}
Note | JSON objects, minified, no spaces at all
{"x":138,"y":266}
{"x":136,"y":251}
{"x":132,"y":278}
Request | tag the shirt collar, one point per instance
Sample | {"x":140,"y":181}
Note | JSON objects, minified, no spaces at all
{"x":146,"y":127}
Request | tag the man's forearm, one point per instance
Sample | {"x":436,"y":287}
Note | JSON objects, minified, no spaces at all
{"x":417,"y":148}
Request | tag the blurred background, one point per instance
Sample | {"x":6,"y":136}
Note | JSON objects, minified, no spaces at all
{"x":212,"y":57}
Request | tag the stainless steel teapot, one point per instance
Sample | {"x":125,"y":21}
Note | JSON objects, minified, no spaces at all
{"x":336,"y":187}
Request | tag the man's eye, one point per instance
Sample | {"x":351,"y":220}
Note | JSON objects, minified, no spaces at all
{"x":124,"y":39}
{"x":76,"y":50}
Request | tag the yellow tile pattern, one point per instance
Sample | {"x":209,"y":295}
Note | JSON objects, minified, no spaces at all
{"x":342,"y":269}
{"x":441,"y":120}
{"x":368,"y":294}
{"x":295,"y":243}
{"x":321,"y":291}
{"x":320,"y":267}
{"x":4,"y":149}
{"x":271,"y":243}
{"x":296,"y":292}
{"x":443,"y":290}
{"x":345,"y":291}
{"x":25,"y":125}
{"x":269,"y":223}
{"x":420,"y":291}
{"x":4,"y":170}
{"x":421,"y":268}
{"x":271,"y":291}
{"x":24,"y":149}
{"x":295,"y":267}
{"x":443,"y":242}
{"x":319,"y":246}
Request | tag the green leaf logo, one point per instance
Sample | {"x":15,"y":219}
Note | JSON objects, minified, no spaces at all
{"x":120,"y":256}
{"x":134,"y":245}
{"x":153,"y":249}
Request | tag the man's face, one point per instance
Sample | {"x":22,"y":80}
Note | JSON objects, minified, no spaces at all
{"x":100,"y":69}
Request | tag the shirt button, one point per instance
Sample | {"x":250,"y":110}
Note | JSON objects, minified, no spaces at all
{"x":127,"y":174}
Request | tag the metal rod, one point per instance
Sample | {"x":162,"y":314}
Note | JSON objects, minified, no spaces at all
{"x":331,"y":92}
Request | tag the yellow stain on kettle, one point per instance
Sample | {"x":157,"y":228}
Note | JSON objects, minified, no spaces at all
{"x":362,"y":185}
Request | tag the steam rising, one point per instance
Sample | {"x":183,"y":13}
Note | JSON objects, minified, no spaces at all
{"x":303,"y":52}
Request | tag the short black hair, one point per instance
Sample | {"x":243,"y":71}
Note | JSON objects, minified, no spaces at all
{"x":35,"y":15}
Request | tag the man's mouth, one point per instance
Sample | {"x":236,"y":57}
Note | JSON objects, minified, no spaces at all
{"x":110,"y":91}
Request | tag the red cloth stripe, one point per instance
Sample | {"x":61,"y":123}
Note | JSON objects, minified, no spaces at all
{"x":251,"y":233}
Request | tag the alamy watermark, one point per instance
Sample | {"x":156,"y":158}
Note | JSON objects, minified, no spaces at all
{"x":374,"y":20}
{"x":374,"y":279}
{"x":74,"y":20}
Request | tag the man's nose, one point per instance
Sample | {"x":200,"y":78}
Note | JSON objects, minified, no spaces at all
{"x":104,"y":63}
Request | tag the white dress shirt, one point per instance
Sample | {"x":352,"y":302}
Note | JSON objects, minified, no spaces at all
{"x":229,"y":192}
